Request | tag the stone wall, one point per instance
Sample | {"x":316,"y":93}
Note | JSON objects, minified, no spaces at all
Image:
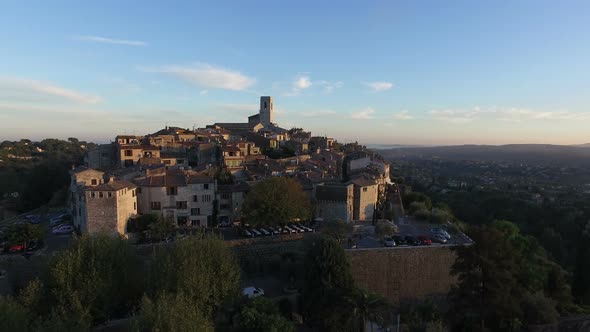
{"x":404,"y":274}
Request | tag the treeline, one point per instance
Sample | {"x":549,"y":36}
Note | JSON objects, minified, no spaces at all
{"x":531,"y":270}
{"x":192,"y":286}
{"x":36,"y":173}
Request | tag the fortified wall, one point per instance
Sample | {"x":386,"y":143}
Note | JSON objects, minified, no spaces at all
{"x":404,"y":274}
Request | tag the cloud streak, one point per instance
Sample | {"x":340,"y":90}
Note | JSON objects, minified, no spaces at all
{"x":379,"y":86}
{"x":106,"y":40}
{"x":26,"y":90}
{"x":402,"y":115}
{"x":206,"y":76}
{"x":364,"y":114}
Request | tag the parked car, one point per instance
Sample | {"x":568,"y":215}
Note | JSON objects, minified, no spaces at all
{"x":412,"y":241}
{"x":439,"y":238}
{"x":252,"y":292}
{"x":65,"y":229}
{"x":424,"y":240}
{"x":55,"y":221}
{"x":60,"y":226}
{"x":246,"y":232}
{"x":16,"y":248}
{"x":437,"y":230}
{"x":388,"y":242}
{"x":274,"y":230}
{"x":399,"y":240}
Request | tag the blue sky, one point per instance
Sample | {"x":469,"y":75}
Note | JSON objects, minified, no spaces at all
{"x":411,"y":72}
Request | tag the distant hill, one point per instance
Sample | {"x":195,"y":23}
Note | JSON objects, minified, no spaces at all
{"x":585,"y":145}
{"x":542,"y":154}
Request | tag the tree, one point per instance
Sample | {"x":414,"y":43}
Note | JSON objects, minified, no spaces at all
{"x":169,"y":312}
{"x":261,"y":314}
{"x":581,"y":282}
{"x":25,"y":233}
{"x":409,"y":198}
{"x":337,"y":229}
{"x":13,"y":315}
{"x":202,"y":267}
{"x":367,"y":307}
{"x":384,"y":229}
{"x":487,"y":294}
{"x":97,"y":278}
{"x":328,"y":282}
{"x":161,"y":228}
{"x":276,"y":201}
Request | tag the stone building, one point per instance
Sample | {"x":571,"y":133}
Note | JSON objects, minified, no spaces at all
{"x":230,"y":198}
{"x":366,"y":195}
{"x":129,"y":154}
{"x":109,"y":207}
{"x":335,"y":201}
{"x":102,"y":157}
{"x":80,"y":179}
{"x":183,"y":196}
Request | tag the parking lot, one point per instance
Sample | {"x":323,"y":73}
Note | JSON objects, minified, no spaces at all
{"x":364,"y":236}
{"x":50,"y":242}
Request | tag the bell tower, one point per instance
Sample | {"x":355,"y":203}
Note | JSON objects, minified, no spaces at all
{"x":266,"y":110}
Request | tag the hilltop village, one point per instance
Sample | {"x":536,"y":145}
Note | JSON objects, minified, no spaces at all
{"x":199,"y":177}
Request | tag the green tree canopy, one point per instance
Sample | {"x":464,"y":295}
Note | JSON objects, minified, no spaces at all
{"x":409,"y":198}
{"x":169,"y":312}
{"x":202,"y":267}
{"x":262,"y":315}
{"x":276,"y":201}
{"x":328,"y":282}
{"x":384,"y":229}
{"x":337,"y":229}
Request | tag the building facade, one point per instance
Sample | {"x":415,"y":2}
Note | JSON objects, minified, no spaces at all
{"x":109,"y":207}
{"x":334,"y":201}
{"x":182,"y":196}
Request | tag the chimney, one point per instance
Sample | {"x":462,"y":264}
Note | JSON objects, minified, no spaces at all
{"x":111,"y":178}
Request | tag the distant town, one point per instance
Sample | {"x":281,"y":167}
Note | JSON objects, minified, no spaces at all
{"x":175,"y":172}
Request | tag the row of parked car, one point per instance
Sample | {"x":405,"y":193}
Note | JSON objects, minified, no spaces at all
{"x":266,"y":231}
{"x":438,"y":235}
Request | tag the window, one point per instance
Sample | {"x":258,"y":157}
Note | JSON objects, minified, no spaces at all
{"x":134,"y":205}
{"x":181,"y":205}
{"x":365,"y":189}
{"x":171,"y":191}
{"x":93,"y":182}
{"x":224,"y":206}
{"x":92,"y":194}
{"x":166,"y":161}
{"x":100,"y":195}
{"x":225,"y":196}
{"x":110,"y":194}
{"x":195,"y":211}
{"x":206,"y":186}
{"x":195,"y":198}
{"x":155,"y":206}
{"x":132,"y":193}
{"x":128,"y":153}
{"x":206,"y":198}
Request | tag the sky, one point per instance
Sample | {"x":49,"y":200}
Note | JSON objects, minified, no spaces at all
{"x":376,"y":72}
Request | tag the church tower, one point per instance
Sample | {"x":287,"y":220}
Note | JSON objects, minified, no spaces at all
{"x":266,"y":110}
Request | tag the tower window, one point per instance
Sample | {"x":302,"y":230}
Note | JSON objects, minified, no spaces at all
{"x":265,"y":106}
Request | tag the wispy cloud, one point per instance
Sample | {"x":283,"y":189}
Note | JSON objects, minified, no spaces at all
{"x":402,"y":115}
{"x":26,"y":90}
{"x":301,"y":82}
{"x":318,"y":113}
{"x":206,"y":75}
{"x":522,"y":114}
{"x":364,"y":114}
{"x":455,"y":116}
{"x":329,"y":87}
{"x":379,"y":86}
{"x":106,"y":40}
